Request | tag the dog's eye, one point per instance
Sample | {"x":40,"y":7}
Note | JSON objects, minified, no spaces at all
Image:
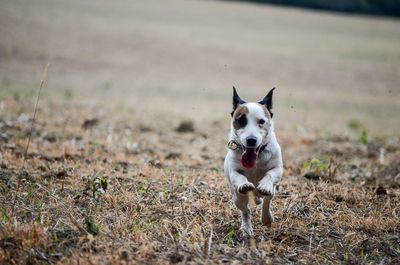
{"x":261,"y":121}
{"x":242,"y":121}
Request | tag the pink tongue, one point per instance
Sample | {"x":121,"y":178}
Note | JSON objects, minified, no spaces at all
{"x":249,"y":158}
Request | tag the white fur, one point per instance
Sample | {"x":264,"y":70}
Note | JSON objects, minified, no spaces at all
{"x":263,"y":178}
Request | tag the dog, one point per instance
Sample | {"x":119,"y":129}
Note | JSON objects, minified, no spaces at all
{"x":253,"y":163}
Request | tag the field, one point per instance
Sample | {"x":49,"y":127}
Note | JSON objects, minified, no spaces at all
{"x":125,"y":160}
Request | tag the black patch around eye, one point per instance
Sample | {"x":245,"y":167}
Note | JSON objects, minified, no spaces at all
{"x":242,"y":121}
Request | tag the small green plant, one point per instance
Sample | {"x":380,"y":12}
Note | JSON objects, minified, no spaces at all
{"x":364,"y":136}
{"x":4,"y":217}
{"x":177,"y":236}
{"x":142,"y":188}
{"x":216,"y":170}
{"x":317,"y":168}
{"x":29,"y":193}
{"x":181,"y":181}
{"x":357,"y":126}
{"x":91,"y":227}
{"x":230,"y":237}
{"x":97,"y":186}
{"x":40,"y":215}
{"x":316,"y":165}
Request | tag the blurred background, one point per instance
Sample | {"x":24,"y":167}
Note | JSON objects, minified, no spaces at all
{"x":178,"y":59}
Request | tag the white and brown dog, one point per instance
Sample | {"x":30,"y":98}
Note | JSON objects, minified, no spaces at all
{"x":253,"y":163}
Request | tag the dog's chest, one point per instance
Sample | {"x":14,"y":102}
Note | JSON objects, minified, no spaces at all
{"x":262,"y":166}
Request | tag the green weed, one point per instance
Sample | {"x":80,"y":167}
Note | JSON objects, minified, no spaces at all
{"x":142,"y":188}
{"x":357,"y":126}
{"x":364,"y":136}
{"x":4,"y":217}
{"x":325,"y":167}
{"x":230,"y":237}
{"x":90,"y":226}
{"x":97,"y":185}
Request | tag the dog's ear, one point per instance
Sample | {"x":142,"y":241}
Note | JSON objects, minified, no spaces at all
{"x":267,"y":101}
{"x":236,"y":100}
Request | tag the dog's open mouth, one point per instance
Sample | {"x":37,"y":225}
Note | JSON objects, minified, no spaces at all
{"x":249,"y":156}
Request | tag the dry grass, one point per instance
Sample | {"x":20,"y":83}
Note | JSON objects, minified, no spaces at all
{"x":125,"y":74}
{"x":167,"y":200}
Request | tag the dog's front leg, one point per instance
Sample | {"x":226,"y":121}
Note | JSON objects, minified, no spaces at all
{"x":240,"y":186}
{"x":267,"y":184}
{"x":266,"y":187}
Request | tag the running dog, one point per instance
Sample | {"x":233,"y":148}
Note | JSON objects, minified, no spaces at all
{"x":253,"y":163}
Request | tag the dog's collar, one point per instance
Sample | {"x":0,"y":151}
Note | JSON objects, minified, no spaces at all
{"x":234,"y":145}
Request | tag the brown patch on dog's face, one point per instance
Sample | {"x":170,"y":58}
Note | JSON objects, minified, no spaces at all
{"x":266,"y":111}
{"x":240,"y":117}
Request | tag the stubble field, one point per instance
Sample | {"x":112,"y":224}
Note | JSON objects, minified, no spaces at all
{"x":110,"y":178}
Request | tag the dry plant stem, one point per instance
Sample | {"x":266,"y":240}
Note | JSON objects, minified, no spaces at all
{"x":44,"y":78}
{"x":311,"y":236}
{"x":209,"y":242}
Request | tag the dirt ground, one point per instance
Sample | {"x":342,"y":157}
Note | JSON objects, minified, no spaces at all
{"x":110,"y":178}
{"x":184,"y":56}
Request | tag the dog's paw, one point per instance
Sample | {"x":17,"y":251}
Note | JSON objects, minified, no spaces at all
{"x":246,"y":188}
{"x":266,"y":189}
{"x":247,"y":229}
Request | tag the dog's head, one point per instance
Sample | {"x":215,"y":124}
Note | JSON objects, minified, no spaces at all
{"x":251,"y":123}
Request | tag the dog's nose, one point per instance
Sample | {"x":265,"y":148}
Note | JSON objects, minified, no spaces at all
{"x":251,"y":141}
